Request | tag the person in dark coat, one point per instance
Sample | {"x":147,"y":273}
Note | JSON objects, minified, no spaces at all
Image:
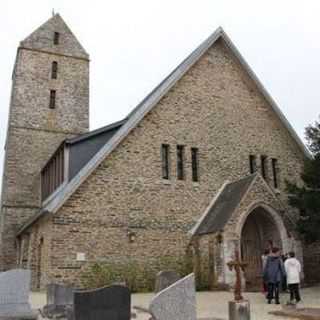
{"x":273,"y":273}
{"x":284,"y":286}
{"x":264,"y":258}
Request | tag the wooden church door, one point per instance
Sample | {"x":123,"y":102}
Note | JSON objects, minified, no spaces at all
{"x":251,"y":252}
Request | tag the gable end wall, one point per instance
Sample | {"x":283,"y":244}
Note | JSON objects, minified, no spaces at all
{"x":214,"y":107}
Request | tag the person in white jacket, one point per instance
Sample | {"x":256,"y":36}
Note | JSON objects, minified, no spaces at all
{"x":293,"y":269}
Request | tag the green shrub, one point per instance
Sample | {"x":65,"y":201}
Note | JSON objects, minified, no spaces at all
{"x":137,"y":276}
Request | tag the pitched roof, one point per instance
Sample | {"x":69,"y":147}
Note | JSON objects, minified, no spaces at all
{"x":150,"y":101}
{"x":223,"y":205}
{"x":42,"y":39}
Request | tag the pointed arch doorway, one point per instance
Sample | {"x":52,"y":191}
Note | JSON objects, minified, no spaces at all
{"x":259,"y":231}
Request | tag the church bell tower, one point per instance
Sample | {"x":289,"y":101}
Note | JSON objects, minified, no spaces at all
{"x":49,"y":103}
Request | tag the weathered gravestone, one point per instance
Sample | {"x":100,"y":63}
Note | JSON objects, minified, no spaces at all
{"x":165,"y":279}
{"x":59,"y":295}
{"x":112,"y":303}
{"x":14,"y":295}
{"x":177,"y":302}
{"x":59,"y":299}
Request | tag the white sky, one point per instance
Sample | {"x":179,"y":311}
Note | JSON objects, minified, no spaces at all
{"x":134,"y":44}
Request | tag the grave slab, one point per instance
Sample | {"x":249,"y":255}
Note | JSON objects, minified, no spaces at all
{"x":112,"y":303}
{"x":14,"y":295}
{"x":165,"y":279}
{"x":59,"y":299}
{"x":177,"y":302}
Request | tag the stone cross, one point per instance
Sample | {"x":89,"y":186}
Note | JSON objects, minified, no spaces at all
{"x":237,"y":265}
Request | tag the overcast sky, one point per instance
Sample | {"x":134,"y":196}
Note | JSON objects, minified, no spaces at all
{"x":134,"y":44}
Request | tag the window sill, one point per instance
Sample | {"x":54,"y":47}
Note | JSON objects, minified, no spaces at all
{"x":166,"y":181}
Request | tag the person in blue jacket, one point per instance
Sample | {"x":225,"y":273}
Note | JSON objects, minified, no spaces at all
{"x":273,"y":274}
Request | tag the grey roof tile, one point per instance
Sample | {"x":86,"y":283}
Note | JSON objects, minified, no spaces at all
{"x":220,"y":211}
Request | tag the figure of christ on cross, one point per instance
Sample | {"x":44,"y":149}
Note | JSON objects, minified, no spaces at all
{"x":237,"y":265}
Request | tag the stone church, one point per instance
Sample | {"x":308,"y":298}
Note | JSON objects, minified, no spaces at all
{"x":198,"y":166}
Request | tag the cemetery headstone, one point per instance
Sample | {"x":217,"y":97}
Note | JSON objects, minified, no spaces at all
{"x":112,"y":303}
{"x":59,"y":299}
{"x":165,"y":279}
{"x":14,"y":294}
{"x":59,"y":295}
{"x":176,"y":302}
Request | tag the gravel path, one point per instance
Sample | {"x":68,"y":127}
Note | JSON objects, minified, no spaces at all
{"x":214,"y":304}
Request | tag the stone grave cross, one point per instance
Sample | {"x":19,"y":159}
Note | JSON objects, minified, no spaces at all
{"x":237,"y":265}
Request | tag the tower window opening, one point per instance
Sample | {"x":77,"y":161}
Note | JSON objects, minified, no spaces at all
{"x":54,"y":70}
{"x":52,"y":103}
{"x":56,"y":37}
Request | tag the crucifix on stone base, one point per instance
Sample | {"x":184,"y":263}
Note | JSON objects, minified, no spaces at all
{"x":237,"y":265}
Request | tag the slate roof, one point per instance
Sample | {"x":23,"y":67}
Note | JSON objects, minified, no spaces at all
{"x":83,"y":147}
{"x":146,"y":106}
{"x":94,"y":133}
{"x":221,"y":208}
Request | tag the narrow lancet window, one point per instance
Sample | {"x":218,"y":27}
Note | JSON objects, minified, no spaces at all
{"x":264,"y":167}
{"x":56,"y":38}
{"x":180,"y":162}
{"x":52,"y":103}
{"x":54,"y":70}
{"x":195,"y":164}
{"x":275,"y":173}
{"x":165,"y":161}
{"x":253,"y":163}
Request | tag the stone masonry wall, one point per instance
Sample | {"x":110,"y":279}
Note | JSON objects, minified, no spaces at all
{"x":31,"y":93}
{"x":214,"y":107}
{"x":39,"y":254}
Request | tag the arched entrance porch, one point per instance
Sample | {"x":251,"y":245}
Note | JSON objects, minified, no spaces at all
{"x":261,"y":229}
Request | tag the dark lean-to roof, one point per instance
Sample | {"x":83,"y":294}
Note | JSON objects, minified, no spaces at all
{"x":82,"y":148}
{"x":223,"y":205}
{"x":146,"y":106}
